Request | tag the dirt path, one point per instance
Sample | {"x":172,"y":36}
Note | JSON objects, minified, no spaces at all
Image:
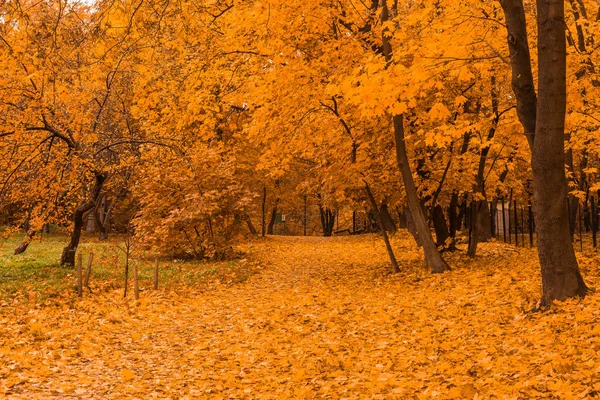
{"x":322,"y":318}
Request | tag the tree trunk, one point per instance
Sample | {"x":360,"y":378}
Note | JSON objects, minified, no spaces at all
{"x":273,"y":218}
{"x":560,"y":273}
{"x":439,"y":225}
{"x":410,"y":225}
{"x":26,"y":241}
{"x":251,"y":227}
{"x":386,"y":239}
{"x":480,"y":225}
{"x":101,"y":218}
{"x":432,"y":254}
{"x":386,"y":219}
{"x":327,"y":221}
{"x":462,"y":215}
{"x":453,"y":214}
{"x":68,"y":254}
{"x":520,"y":62}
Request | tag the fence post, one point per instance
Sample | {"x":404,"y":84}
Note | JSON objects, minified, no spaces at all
{"x":136,"y":288}
{"x":594,"y":221}
{"x":503,"y":220}
{"x":156,"y":274}
{"x":492,"y":219}
{"x":522,"y":227}
{"x":79,"y":275}
{"x":530,"y":225}
{"x":509,"y":224}
{"x":580,"y":223}
{"x":88,"y":273}
{"x":470,"y":214}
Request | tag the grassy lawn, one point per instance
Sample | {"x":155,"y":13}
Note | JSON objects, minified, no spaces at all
{"x":37,"y":275}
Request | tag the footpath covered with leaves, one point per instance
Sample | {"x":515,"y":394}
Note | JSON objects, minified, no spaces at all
{"x":321,"y":317}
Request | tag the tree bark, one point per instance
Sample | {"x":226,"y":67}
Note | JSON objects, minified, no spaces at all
{"x":327,"y":221}
{"x":480,"y":225}
{"x":560,"y":273}
{"x":520,"y":63}
{"x":25,"y":242}
{"x":272,"y":219}
{"x":386,"y":239}
{"x":410,"y":225}
{"x":386,"y":218}
{"x":453,"y":214}
{"x":432,"y":254}
{"x":439,"y":225}
{"x":480,"y":213}
{"x":251,"y":227}
{"x":68,"y":254}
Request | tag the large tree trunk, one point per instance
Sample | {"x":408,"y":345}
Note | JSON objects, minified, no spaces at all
{"x":480,"y":225}
{"x":68,"y":254}
{"x":560,"y":273}
{"x":432,"y":254}
{"x":520,"y":62}
{"x":410,"y":225}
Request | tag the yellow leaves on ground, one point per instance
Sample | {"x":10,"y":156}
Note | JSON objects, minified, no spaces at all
{"x":127,"y":375}
{"x":324,"y":318}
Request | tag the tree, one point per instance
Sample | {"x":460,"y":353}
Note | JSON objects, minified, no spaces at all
{"x":560,"y":272}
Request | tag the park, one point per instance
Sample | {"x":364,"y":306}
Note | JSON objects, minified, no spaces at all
{"x":310,"y":199}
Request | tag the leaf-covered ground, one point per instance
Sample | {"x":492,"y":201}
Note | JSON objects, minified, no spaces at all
{"x":321,"y":318}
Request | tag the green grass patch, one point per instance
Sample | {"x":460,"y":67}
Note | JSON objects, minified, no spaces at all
{"x":36,"y":275}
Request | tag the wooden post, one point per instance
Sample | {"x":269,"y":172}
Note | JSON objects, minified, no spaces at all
{"x":79,"y":275}
{"x":136,"y":288}
{"x":508,"y":211}
{"x":492,"y":219}
{"x":156,"y":274}
{"x":88,"y":273}
{"x":522,"y":227}
{"x":580,"y":223}
{"x":470,"y":215}
{"x":516,"y":224}
{"x":126,"y":267}
{"x":530,"y":225}
{"x":503,"y":220}
{"x":594,"y":221}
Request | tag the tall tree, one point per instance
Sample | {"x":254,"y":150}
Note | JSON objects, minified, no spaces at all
{"x":560,"y":272}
